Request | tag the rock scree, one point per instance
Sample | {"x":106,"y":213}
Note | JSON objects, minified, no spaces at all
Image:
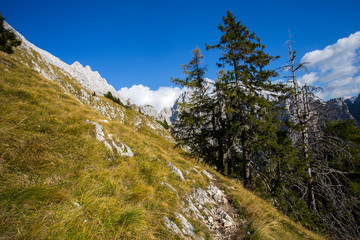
{"x":214,"y":208}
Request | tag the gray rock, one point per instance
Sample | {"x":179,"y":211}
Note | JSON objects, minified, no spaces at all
{"x":173,"y":227}
{"x":176,"y":171}
{"x":187,"y":228}
{"x":149,"y":110}
{"x":184,"y":97}
{"x":209,"y":206}
{"x":354,"y":107}
{"x":207,"y":174}
{"x":227,"y":224}
{"x":201,"y":197}
{"x":121,"y":148}
{"x":100,"y":136}
{"x":220,"y":213}
{"x":166,"y":114}
{"x":216,"y":194}
{"x":335,"y":109}
{"x":171,"y":187}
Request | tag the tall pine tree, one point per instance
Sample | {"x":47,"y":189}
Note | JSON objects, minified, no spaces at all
{"x":202,"y":123}
{"x":191,"y":127}
{"x":249,"y":95}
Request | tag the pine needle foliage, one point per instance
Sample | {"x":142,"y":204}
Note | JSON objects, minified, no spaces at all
{"x":253,"y":119}
{"x":229,"y":121}
{"x":8,"y":39}
{"x":192,"y":126}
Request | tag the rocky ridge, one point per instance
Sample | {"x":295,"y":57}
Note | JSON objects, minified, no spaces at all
{"x":354,"y":106}
{"x":86,"y":86}
{"x":44,"y":62}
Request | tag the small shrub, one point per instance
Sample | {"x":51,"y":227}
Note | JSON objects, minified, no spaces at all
{"x":114,"y":99}
{"x":164,"y":124}
{"x":8,"y":39}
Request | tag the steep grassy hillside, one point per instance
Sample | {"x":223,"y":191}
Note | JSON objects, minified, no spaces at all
{"x":59,"y":181}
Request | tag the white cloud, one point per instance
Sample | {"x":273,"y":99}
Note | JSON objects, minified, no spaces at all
{"x":308,"y":78}
{"x":336,"y":67}
{"x":346,"y":87}
{"x":160,"y":98}
{"x":280,"y":80}
{"x":320,"y":94}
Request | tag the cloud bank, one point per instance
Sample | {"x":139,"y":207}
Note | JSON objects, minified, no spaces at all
{"x":335,"y":68}
{"x":160,"y":98}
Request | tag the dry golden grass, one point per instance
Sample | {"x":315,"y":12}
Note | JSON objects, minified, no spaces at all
{"x":58,"y":182}
{"x":264,"y":221}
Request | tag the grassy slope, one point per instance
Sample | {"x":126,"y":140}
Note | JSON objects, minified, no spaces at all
{"x":57,"y":181}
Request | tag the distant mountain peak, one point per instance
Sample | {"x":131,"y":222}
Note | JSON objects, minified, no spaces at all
{"x":77,"y":64}
{"x":353,"y":98}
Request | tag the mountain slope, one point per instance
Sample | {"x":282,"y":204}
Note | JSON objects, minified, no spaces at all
{"x":58,"y":181}
{"x":354,"y":107}
{"x":52,"y":68}
{"x":67,"y":173}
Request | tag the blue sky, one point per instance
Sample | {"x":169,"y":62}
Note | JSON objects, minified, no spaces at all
{"x":144,"y":42}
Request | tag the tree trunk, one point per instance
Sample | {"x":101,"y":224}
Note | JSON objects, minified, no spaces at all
{"x":247,"y":170}
{"x":220,"y":161}
{"x":228,"y":161}
{"x":236,"y":74}
{"x":246,"y":160}
{"x":278,"y":173}
{"x":307,"y":116}
{"x":311,"y":200}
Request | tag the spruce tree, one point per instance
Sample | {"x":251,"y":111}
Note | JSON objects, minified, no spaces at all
{"x":8,"y":39}
{"x":203,"y":123}
{"x":253,"y":119}
{"x":193,"y":128}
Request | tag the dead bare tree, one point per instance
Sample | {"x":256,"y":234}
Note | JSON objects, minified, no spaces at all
{"x":323,"y":187}
{"x":304,"y":116}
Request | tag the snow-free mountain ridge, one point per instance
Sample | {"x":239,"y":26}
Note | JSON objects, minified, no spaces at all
{"x":91,"y":80}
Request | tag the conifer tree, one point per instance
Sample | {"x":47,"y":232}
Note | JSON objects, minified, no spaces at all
{"x":202,"y":123}
{"x":252,"y":118}
{"x":8,"y":39}
{"x":190,"y":128}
